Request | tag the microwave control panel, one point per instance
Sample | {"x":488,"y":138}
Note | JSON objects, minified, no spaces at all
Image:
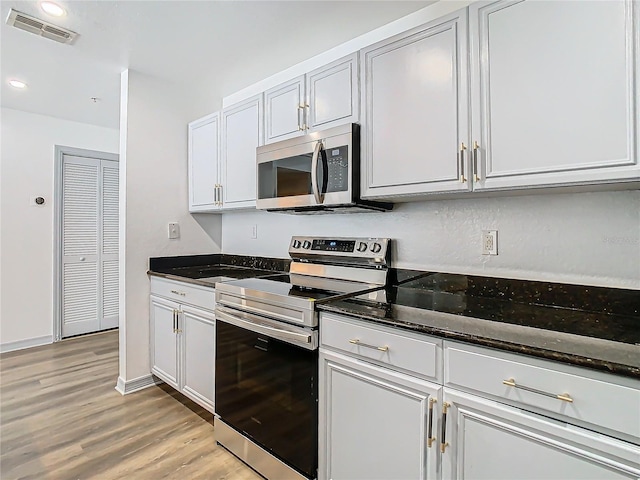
{"x":337,"y":168}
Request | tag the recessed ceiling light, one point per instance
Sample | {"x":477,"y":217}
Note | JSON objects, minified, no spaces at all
{"x":52,"y":9}
{"x":17,"y":84}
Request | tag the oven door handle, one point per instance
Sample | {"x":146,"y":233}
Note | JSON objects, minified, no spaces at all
{"x":305,"y":340}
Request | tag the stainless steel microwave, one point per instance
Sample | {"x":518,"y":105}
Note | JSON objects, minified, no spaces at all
{"x":315,"y":173}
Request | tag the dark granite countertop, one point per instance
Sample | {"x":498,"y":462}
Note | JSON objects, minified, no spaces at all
{"x":206,"y":270}
{"x":593,"y":327}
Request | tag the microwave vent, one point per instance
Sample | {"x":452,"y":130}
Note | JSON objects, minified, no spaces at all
{"x":40,"y":27}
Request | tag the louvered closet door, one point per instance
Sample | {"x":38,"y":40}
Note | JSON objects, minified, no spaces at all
{"x":109,"y":251}
{"x":89,"y":245}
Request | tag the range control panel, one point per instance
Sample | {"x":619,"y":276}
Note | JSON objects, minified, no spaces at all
{"x":364,"y":248}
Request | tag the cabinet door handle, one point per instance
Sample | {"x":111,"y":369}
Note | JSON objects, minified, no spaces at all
{"x":565,"y":397}
{"x":443,"y":442}
{"x":355,"y":341}
{"x":177,"y":292}
{"x":178,"y":329}
{"x":430,"y":437}
{"x":461,"y":159}
{"x":476,"y":147}
{"x":174,"y":320}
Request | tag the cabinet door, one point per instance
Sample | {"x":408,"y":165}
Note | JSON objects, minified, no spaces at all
{"x":203,"y":163}
{"x":241,"y":135}
{"x":373,"y":422}
{"x":415,"y":111}
{"x":164,"y":340}
{"x":333,"y":92}
{"x":284,"y":110}
{"x":553,"y":92}
{"x":489,"y":440}
{"x":198,"y":355}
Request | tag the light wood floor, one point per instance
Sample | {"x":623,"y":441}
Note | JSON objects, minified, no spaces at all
{"x":61,"y":418}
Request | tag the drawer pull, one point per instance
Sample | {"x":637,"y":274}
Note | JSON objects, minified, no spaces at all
{"x":430,"y":437}
{"x":443,"y":443}
{"x":178,"y":293}
{"x":355,"y":341}
{"x":565,"y":397}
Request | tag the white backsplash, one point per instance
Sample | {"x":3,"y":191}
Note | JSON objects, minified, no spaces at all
{"x":581,"y":238}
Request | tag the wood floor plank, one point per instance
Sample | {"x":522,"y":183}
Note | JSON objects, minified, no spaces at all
{"x":62,"y":419}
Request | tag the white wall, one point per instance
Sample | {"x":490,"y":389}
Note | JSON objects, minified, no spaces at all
{"x":581,"y":238}
{"x":153,"y":192}
{"x":26,"y":231}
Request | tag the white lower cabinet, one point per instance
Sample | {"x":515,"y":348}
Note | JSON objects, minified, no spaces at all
{"x":183,"y":340}
{"x":374,"y":422}
{"x":489,"y":440}
{"x":469,"y":413}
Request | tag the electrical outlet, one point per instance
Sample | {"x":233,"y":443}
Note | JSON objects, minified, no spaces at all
{"x":174,"y":230}
{"x":490,"y":242}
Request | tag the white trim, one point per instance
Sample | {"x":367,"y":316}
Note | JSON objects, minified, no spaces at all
{"x":125,"y":387}
{"x":60,"y":152}
{"x":27,"y":343}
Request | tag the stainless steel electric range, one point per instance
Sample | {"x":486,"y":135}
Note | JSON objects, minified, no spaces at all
{"x":267,"y":350}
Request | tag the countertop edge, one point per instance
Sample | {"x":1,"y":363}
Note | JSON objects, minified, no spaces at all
{"x":537,"y":342}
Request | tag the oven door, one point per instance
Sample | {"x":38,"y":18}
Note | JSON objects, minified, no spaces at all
{"x":266,"y":388}
{"x":311,"y":173}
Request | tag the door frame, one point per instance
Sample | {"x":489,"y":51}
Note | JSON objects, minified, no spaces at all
{"x":60,"y":152}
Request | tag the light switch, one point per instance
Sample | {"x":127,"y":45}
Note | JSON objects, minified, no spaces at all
{"x":174,"y":230}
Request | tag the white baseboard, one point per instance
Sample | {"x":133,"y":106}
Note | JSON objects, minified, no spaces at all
{"x":125,"y":387}
{"x":28,"y":343}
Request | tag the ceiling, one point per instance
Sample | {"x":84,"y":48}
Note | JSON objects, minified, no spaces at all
{"x":210,"y":47}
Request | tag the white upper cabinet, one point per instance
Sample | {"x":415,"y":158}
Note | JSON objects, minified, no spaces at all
{"x":284,"y":107}
{"x":323,"y":98}
{"x":552,"y":87}
{"x":333,"y":94}
{"x":204,"y":152}
{"x":241,"y":134}
{"x":415,"y":111}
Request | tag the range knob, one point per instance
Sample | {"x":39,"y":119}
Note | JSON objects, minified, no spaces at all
{"x":362,"y":247}
{"x":296,"y":244}
{"x":376,"y":247}
{"x":306,"y":244}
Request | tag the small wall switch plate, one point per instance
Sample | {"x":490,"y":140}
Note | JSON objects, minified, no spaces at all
{"x":254,"y":231}
{"x":490,"y":242}
{"x":174,"y":230}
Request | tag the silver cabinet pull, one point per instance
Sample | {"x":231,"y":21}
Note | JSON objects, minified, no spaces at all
{"x":461,"y":159}
{"x":430,"y":437}
{"x":355,"y":341}
{"x":174,"y":320}
{"x":476,"y":147}
{"x":565,"y":397}
{"x":220,"y":195}
{"x":178,"y":329}
{"x":443,"y":442}
{"x":82,"y":259}
{"x":178,"y":293}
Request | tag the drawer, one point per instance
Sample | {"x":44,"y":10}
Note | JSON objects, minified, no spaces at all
{"x":609,"y":406}
{"x":181,"y":292}
{"x":389,"y":347}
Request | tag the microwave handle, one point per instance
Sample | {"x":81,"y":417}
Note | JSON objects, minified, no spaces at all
{"x":314,"y":173}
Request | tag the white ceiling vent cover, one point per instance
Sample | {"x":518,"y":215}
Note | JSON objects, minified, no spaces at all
{"x":40,"y":27}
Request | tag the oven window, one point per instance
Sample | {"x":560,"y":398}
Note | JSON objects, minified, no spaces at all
{"x":267,"y":389}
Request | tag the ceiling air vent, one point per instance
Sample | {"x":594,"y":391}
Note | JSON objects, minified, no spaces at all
{"x":40,"y":27}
